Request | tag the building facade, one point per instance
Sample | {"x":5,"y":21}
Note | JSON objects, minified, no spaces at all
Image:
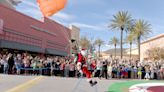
{"x":126,"y":53}
{"x":75,"y":33}
{"x":134,"y":53}
{"x":157,"y":41}
{"x":75,"y":38}
{"x":21,"y":32}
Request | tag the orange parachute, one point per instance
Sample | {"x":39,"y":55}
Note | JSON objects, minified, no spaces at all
{"x":49,"y":7}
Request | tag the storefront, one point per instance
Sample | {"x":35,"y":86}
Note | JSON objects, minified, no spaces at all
{"x":21,"y":32}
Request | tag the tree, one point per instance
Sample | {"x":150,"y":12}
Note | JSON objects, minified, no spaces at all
{"x":85,"y":43}
{"x":99,"y":43}
{"x":130,"y":38}
{"x":141,"y":30}
{"x":155,"y":53}
{"x":114,"y":41}
{"x":121,"y":21}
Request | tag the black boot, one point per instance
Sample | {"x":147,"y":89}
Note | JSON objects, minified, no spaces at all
{"x":92,"y":83}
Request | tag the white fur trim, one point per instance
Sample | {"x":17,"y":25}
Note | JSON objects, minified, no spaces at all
{"x":79,"y":66}
{"x":83,"y":53}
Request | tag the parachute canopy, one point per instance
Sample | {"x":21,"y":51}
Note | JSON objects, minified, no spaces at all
{"x":50,"y":7}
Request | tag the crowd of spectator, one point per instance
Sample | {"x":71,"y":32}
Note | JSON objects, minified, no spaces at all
{"x":25,"y":63}
{"x":132,"y":69}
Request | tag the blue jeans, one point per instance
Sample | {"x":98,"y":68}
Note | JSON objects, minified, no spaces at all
{"x":5,"y":69}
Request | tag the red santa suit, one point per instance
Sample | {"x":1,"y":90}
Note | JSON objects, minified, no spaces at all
{"x":82,"y":67}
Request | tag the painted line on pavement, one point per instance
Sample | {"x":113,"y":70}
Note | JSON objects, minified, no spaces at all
{"x":25,"y":86}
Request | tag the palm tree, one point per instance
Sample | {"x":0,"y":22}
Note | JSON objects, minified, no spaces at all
{"x":121,"y":21}
{"x":141,"y":30}
{"x":130,"y":38}
{"x":114,"y":41}
{"x":99,"y":43}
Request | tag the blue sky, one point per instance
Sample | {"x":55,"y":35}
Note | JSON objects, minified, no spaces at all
{"x":93,"y":16}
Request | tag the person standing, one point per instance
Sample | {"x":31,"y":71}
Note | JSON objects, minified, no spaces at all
{"x":147,"y":70}
{"x":93,"y":67}
{"x":135,"y":72}
{"x":98,"y":68}
{"x":143,"y":72}
{"x":161,"y":71}
{"x":5,"y":64}
{"x":139,"y":72}
{"x":61,"y":64}
{"x":109,"y":70}
{"x":104,"y":70}
{"x":66,"y":69}
{"x":152,"y":72}
{"x":72,"y":70}
{"x":10,"y":63}
{"x":18,"y":61}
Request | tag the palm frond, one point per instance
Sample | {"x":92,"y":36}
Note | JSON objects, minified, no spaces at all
{"x":142,"y":28}
{"x":122,"y":20}
{"x":130,"y":38}
{"x":99,"y":42}
{"x":114,"y":41}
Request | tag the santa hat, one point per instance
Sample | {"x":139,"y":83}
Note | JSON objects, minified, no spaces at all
{"x":83,"y":49}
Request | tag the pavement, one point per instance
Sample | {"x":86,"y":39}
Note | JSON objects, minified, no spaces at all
{"x":20,"y":83}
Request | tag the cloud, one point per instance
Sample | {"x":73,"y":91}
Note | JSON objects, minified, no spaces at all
{"x":59,"y":15}
{"x":30,"y":3}
{"x":63,"y":16}
{"x":92,"y":27}
{"x":86,"y":2}
{"x":33,"y":12}
{"x":30,"y":7}
{"x":86,"y":26}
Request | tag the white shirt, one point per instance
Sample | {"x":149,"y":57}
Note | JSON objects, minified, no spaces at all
{"x":109,"y":68}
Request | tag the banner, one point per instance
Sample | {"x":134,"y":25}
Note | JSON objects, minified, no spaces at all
{"x":1,"y":26}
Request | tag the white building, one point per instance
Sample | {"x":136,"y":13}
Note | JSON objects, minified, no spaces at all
{"x":126,"y":53}
{"x":134,"y":52}
{"x":157,"y":41}
{"x":75,"y":33}
{"x":75,"y":38}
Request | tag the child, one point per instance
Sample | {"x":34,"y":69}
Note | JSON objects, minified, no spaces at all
{"x":139,"y":73}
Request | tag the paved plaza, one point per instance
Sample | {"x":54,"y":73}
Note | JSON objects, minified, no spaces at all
{"x":22,"y":83}
{"x":15,"y":83}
